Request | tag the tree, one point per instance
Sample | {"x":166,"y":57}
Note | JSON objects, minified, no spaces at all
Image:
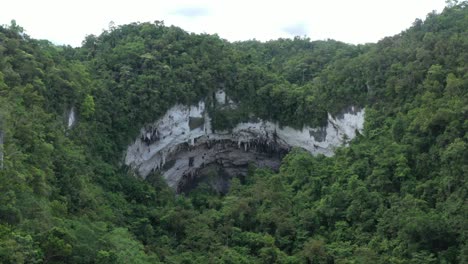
{"x":88,"y":106}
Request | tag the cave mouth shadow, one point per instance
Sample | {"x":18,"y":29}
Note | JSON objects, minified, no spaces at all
{"x":214,"y":163}
{"x":216,"y":176}
{"x":213,"y":177}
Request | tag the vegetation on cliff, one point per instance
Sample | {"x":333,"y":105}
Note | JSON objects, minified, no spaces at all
{"x":397,"y":194}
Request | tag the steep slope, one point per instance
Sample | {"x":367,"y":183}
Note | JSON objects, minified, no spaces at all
{"x":182,"y":143}
{"x":396,"y":194}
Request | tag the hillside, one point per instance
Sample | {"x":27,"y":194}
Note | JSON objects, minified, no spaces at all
{"x":396,"y":194}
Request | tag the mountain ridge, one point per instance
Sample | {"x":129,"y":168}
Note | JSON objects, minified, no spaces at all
{"x":396,"y":194}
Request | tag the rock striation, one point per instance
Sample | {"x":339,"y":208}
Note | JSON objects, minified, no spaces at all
{"x":183,"y":146}
{"x":71,"y":117}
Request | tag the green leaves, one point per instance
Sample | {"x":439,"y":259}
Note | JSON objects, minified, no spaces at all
{"x":397,"y":194}
{"x":17,"y":247}
{"x":87,"y":108}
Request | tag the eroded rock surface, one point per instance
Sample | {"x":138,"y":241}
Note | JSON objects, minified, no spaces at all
{"x":71,"y":117}
{"x":182,"y":143}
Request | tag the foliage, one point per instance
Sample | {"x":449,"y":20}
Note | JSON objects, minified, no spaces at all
{"x":397,"y":194}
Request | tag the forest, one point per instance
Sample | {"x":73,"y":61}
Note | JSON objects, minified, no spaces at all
{"x":397,"y":194}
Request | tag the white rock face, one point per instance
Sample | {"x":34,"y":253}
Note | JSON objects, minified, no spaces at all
{"x":220,"y":96}
{"x":71,"y":117}
{"x":223,"y":101}
{"x":183,"y":138}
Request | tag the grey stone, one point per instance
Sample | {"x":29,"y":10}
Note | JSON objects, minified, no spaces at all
{"x":185,"y":148}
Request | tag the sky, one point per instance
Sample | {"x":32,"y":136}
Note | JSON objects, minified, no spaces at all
{"x":351,"y":21}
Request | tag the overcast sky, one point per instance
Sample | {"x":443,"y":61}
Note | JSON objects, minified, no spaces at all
{"x":351,"y":21}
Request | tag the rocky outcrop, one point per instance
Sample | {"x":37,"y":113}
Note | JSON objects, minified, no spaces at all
{"x":182,"y":144}
{"x":71,"y":117}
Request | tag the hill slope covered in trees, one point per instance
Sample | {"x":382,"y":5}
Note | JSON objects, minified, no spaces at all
{"x":397,"y":194}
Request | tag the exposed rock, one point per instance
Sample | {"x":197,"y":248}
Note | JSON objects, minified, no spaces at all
{"x":181,"y":144}
{"x":223,"y":101}
{"x":319,"y":134}
{"x":71,"y":117}
{"x":220,"y":96}
{"x":196,"y":122}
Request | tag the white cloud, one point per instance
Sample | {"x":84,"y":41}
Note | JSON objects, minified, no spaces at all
{"x":359,"y":21}
{"x":298,"y":29}
{"x":191,"y":11}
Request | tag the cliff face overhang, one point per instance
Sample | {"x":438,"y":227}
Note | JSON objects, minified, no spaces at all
{"x":182,"y":144}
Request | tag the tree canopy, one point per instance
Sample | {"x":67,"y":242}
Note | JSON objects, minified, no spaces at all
{"x":397,"y":194}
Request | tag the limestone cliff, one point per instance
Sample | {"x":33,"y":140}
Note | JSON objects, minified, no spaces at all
{"x":71,"y":117}
{"x":182,"y":144}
